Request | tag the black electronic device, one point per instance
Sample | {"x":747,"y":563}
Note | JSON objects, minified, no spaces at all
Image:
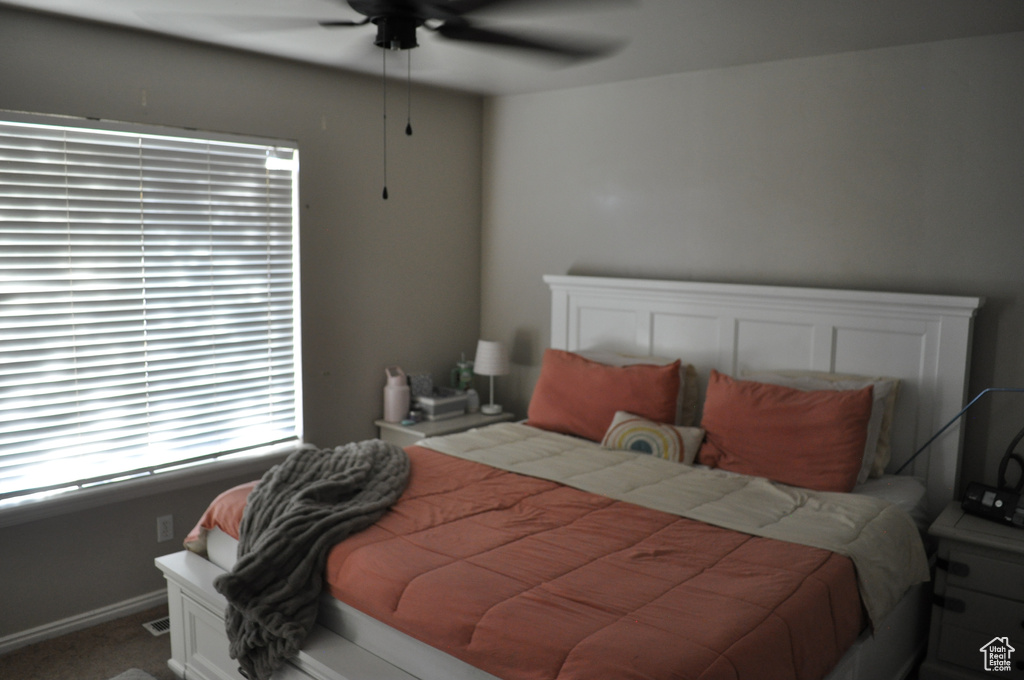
{"x":1001,"y":503}
{"x":989,"y":502}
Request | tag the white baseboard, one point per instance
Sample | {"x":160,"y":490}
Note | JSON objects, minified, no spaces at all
{"x":80,"y":621}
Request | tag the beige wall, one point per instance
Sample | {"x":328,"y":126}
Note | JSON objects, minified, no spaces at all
{"x":382,"y":282}
{"x":897,"y":169}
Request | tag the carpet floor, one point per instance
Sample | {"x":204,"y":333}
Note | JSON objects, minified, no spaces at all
{"x":96,"y":653}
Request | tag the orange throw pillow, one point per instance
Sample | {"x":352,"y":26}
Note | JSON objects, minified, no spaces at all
{"x":580,"y":397}
{"x":814,"y":439}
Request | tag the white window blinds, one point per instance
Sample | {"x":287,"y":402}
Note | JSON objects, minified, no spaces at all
{"x":148,"y":302}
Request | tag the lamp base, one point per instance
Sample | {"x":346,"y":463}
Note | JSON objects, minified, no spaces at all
{"x":490,"y":409}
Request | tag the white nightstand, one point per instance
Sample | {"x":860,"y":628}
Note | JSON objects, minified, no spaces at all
{"x":404,"y":435}
{"x":978,"y":599}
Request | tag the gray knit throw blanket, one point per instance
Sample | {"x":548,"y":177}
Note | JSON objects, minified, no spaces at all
{"x":299,"y":510}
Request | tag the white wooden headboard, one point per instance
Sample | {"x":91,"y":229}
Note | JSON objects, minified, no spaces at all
{"x":924,"y":340}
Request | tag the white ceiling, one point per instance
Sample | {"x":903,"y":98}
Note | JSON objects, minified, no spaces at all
{"x":658,"y":36}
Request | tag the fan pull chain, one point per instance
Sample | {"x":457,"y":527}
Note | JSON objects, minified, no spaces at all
{"x":384,"y":88}
{"x":408,"y":96}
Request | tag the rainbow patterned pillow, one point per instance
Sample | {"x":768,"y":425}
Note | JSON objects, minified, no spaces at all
{"x":633,"y":433}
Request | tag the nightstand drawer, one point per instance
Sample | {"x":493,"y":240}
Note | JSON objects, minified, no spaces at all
{"x":977,"y":626}
{"x":982,"y":573}
{"x":985,"y":613}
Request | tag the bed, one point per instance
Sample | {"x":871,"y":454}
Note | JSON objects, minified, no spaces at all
{"x":713,"y":350}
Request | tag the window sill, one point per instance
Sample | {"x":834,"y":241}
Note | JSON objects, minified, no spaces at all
{"x":163,"y":482}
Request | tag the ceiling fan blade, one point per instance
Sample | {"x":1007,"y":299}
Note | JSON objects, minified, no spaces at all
{"x":222,"y":24}
{"x":462,"y":7}
{"x":344,"y":22}
{"x":463,"y":31}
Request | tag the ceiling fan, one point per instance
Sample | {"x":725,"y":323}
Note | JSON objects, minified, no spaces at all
{"x":397,"y":21}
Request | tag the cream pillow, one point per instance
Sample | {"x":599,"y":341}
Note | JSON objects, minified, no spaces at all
{"x":877,"y":451}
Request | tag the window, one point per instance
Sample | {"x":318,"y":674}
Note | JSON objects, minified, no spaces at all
{"x":148,"y":301}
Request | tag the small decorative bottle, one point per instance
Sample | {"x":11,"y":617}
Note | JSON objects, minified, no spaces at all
{"x":396,"y":395}
{"x":472,"y":401}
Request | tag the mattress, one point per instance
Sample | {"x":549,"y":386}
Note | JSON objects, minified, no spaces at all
{"x":527,"y":578}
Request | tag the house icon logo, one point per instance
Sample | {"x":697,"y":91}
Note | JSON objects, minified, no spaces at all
{"x":997,"y":653}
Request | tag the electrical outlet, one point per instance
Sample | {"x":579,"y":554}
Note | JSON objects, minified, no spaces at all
{"x":164,"y":528}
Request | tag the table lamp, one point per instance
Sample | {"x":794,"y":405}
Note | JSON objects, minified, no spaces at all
{"x":491,"y":360}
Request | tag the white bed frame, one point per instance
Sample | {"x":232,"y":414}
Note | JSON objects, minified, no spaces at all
{"x":924,"y":340}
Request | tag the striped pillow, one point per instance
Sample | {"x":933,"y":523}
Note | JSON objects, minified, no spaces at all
{"x":633,"y":433}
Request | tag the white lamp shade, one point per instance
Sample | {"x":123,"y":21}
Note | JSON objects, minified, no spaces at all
{"x":491,"y":358}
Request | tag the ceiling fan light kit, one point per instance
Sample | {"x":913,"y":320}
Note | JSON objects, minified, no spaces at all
{"x":397,"y":21}
{"x":396,"y":33}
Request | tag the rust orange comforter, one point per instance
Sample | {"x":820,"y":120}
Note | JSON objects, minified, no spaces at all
{"x":529,"y":579}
